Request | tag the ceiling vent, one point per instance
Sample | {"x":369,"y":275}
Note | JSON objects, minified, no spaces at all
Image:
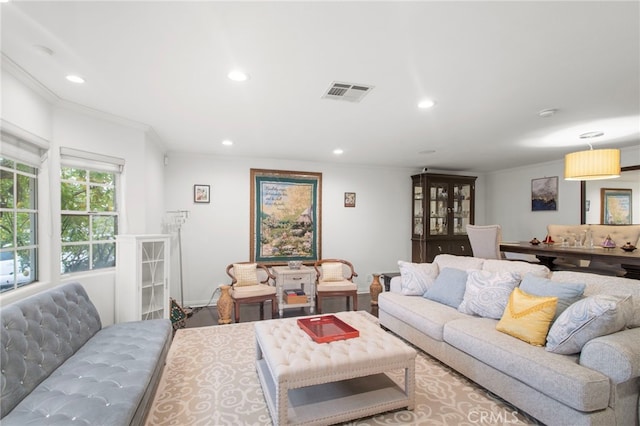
{"x":347,"y":91}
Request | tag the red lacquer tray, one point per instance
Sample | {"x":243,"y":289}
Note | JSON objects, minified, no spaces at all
{"x":327,"y":328}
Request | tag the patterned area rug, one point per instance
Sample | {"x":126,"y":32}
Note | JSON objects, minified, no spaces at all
{"x":210,"y":379}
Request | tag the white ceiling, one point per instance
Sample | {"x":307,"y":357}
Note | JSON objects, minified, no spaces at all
{"x":490,"y":66}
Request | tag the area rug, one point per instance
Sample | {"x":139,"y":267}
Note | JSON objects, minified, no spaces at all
{"x":210,"y":379}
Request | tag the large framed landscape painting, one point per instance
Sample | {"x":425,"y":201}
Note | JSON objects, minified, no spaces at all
{"x":286,"y":222}
{"x":544,"y":194}
{"x":615,"y":206}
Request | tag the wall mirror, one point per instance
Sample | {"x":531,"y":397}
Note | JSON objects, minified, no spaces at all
{"x":590,"y":194}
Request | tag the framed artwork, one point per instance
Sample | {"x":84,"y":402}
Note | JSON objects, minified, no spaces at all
{"x":615,"y":206}
{"x":286,"y":221}
{"x":201,"y":193}
{"x":349,"y":199}
{"x":544,"y":194}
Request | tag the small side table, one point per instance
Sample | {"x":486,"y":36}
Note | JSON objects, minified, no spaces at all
{"x":386,"y":276}
{"x":303,"y":278}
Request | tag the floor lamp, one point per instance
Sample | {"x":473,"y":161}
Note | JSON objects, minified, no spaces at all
{"x":174,"y":222}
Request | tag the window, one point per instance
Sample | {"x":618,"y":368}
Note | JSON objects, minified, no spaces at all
{"x":89,"y":218}
{"x":18,"y":224}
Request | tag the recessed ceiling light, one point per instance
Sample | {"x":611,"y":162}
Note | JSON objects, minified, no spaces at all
{"x":426,"y":103}
{"x":590,"y":135}
{"x":338,"y":151}
{"x":42,"y":49}
{"x":547,"y":112}
{"x":238,"y":75}
{"x":227,"y":142}
{"x":75,"y":79}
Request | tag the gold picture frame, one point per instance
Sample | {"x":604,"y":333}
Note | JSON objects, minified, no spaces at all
{"x":615,"y":206}
{"x":286,"y":216}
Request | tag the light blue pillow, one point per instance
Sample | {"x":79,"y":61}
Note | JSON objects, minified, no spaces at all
{"x":487,"y":293}
{"x":448,"y":288}
{"x":567,"y":293}
{"x":587,"y":319}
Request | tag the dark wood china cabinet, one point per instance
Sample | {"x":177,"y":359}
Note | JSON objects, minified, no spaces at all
{"x":443,"y":206}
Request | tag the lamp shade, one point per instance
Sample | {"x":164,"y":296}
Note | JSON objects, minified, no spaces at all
{"x":593,"y":164}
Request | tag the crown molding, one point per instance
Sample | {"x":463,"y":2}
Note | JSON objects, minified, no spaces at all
{"x":57,"y":102}
{"x":28,"y":80}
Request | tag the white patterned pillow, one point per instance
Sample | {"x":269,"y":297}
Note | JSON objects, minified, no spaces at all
{"x":587,"y":319}
{"x":332,"y":271}
{"x":520,"y":268}
{"x":465,"y":263}
{"x":245,"y":273}
{"x":417,"y":277}
{"x":487,"y":293}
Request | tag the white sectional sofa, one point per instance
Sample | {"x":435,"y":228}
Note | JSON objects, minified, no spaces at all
{"x":598,"y":385}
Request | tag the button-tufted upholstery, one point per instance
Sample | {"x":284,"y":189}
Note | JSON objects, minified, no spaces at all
{"x":59,"y":367}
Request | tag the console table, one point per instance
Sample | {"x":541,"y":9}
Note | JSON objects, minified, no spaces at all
{"x":547,"y":254}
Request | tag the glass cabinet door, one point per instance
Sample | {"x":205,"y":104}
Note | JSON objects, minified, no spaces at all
{"x":438,"y":208}
{"x":461,"y":208}
{"x":418,"y":211}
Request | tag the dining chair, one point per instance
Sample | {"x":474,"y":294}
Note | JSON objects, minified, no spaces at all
{"x":252,"y":283}
{"x":485,"y":241}
{"x":334,"y":278}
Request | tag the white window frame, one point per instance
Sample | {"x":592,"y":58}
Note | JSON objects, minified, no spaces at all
{"x":89,"y":161}
{"x":23,"y":147}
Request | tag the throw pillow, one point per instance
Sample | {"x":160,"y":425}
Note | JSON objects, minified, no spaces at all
{"x":332,"y":271}
{"x":245,"y":273}
{"x":518,"y":267}
{"x":487,"y":293}
{"x":528,"y":317}
{"x":417,"y":277}
{"x":465,"y":263}
{"x":448,"y":288}
{"x":567,"y":293}
{"x":587,"y":319}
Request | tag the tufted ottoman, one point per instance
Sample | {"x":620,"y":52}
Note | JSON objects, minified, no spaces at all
{"x":305,"y":382}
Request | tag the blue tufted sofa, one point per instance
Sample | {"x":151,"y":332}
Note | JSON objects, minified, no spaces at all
{"x":60,"y":367}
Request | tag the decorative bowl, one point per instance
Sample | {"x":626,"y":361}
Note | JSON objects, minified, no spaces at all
{"x":628,"y":247}
{"x":534,"y":242}
{"x":608,"y":243}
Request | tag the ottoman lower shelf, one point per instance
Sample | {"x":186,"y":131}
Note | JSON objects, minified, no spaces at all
{"x":335,"y":402}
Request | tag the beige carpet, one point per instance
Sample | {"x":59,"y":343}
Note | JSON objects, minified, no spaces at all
{"x":210,"y":379}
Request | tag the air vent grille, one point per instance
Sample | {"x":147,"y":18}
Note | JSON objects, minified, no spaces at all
{"x":347,"y":91}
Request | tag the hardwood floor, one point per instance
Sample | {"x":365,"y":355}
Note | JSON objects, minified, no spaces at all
{"x":208,"y":315}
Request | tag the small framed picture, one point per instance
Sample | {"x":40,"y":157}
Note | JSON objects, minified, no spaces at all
{"x":349,"y":199}
{"x":201,"y":193}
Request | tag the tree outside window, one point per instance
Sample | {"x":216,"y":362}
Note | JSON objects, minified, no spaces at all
{"x":18,"y":224}
{"x":89,"y":219}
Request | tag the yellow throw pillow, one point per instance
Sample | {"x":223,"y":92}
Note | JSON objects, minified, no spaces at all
{"x":245,"y":274}
{"x":528,"y":317}
{"x":332,"y":271}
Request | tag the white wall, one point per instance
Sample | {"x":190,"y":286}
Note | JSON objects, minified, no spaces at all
{"x":374,"y":235}
{"x":62,"y":124}
{"x":508,"y":198}
{"x":24,"y":108}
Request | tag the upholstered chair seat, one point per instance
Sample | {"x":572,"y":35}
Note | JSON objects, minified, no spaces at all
{"x":334,"y":278}
{"x":252,"y":283}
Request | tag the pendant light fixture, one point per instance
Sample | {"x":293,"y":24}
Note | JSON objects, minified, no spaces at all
{"x":592,"y":164}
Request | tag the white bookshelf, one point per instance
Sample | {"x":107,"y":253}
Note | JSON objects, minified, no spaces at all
{"x":142,"y":277}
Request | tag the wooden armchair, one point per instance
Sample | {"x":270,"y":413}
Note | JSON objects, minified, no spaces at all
{"x":334,"y":278}
{"x":252,"y":283}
